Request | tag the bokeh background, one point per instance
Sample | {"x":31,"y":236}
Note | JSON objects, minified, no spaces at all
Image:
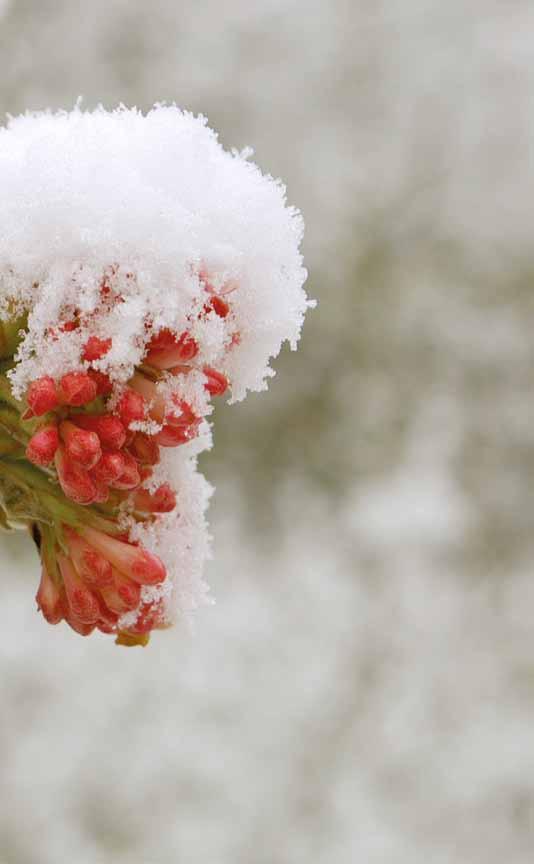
{"x":363,"y":690}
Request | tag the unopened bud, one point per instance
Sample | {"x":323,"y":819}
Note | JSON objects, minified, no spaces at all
{"x":133,"y":561}
{"x":74,"y":480}
{"x":110,"y":467}
{"x":101,"y":381}
{"x":95,"y":348}
{"x":42,"y":446}
{"x":130,"y":477}
{"x":167,"y":350}
{"x":81,"y":445}
{"x":76,"y":389}
{"x":109,"y":429}
{"x":42,"y":396}
{"x":163,"y":500}
{"x":90,"y":564}
{"x":132,"y":407}
{"x":49,"y":598}
{"x":83,"y":604}
{"x":144,"y":449}
{"x":216,"y":383}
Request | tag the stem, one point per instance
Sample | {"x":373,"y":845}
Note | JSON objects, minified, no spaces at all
{"x":6,"y":394}
{"x":9,"y":422}
{"x":48,"y":498}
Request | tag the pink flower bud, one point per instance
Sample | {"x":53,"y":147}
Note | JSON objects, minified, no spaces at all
{"x":109,"y":429}
{"x":216,"y":383}
{"x":76,"y":389}
{"x":42,"y":446}
{"x":163,"y":500}
{"x":74,"y":480}
{"x":83,"y":603}
{"x":133,"y":561}
{"x":95,"y":348}
{"x":42,"y":396}
{"x":82,"y":446}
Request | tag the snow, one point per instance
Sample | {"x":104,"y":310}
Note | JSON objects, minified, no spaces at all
{"x":153,"y":201}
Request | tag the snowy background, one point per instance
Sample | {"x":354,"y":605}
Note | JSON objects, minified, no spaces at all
{"x":363,"y":691}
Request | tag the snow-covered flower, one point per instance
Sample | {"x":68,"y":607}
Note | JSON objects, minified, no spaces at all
{"x":144,"y":271}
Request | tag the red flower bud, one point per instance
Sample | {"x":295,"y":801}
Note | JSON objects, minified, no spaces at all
{"x":74,"y":480}
{"x":107,"y":622}
{"x":163,"y":500}
{"x":83,"y":603}
{"x":217,"y":305}
{"x":216,"y":383}
{"x":144,"y":449}
{"x":181,"y":414}
{"x":132,"y":407}
{"x":101,"y":381}
{"x":173,"y":436}
{"x":42,"y":446}
{"x":49,"y":598}
{"x":78,"y":626}
{"x":110,"y":467}
{"x":92,"y":567}
{"x":166,"y":350}
{"x":80,"y":445}
{"x":42,"y":396}
{"x":133,"y":561}
{"x":113,"y":601}
{"x":128,"y":591}
{"x":109,"y":429}
{"x":130,"y":477}
{"x":76,"y":389}
{"x":95,"y":348}
{"x":102,"y":490}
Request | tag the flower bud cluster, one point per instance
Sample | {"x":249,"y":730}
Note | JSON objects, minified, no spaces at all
{"x":151,"y":273}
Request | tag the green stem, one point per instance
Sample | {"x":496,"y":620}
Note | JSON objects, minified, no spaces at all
{"x":48,"y":500}
{"x":6,"y":394}
{"x":10,"y":424}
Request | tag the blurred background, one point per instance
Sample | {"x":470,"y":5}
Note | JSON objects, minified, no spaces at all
{"x":363,"y":690}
